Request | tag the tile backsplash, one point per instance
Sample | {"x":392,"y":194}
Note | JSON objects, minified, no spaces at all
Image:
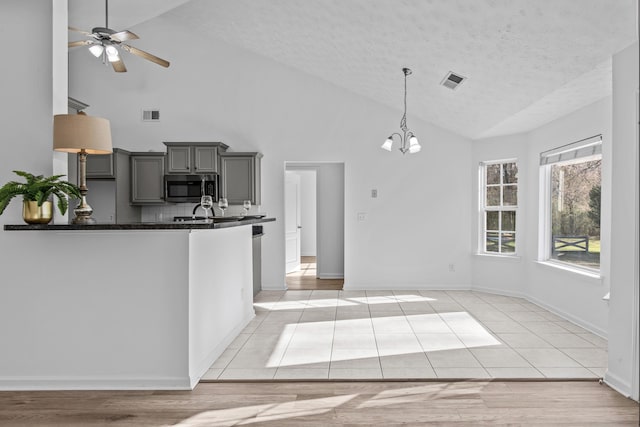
{"x":165,"y":213}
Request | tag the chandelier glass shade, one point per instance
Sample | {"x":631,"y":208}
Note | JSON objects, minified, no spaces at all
{"x":408,"y":140}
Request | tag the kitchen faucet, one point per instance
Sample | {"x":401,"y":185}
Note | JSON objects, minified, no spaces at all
{"x":195,"y":208}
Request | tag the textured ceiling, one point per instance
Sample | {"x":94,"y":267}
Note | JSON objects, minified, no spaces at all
{"x":527,"y":61}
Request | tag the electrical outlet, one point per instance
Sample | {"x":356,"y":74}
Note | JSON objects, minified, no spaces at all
{"x":374,"y":193}
{"x":362,"y":216}
{"x":452,"y":268}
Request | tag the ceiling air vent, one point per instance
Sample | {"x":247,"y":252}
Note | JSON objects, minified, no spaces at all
{"x":452,"y":80}
{"x":150,"y":115}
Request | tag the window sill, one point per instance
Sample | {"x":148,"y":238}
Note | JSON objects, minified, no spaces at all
{"x":511,"y":258}
{"x":574,"y":270}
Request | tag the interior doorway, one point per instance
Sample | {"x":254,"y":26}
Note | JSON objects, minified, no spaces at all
{"x":314,"y":225}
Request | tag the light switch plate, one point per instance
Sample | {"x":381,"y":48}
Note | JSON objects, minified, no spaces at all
{"x":362,"y":216}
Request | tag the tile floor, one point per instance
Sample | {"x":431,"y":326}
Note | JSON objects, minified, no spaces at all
{"x":332,"y":334}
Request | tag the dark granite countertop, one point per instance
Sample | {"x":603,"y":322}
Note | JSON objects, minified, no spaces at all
{"x":185,"y":225}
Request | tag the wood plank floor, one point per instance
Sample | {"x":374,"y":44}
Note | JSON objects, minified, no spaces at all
{"x":306,"y":278}
{"x":464,"y":403}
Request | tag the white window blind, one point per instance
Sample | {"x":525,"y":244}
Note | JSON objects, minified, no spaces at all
{"x":576,"y":150}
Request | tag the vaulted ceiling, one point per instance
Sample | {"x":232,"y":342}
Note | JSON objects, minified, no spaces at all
{"x":527,"y":62}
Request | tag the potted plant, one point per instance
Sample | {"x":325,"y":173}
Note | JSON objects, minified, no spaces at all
{"x":36,"y":194}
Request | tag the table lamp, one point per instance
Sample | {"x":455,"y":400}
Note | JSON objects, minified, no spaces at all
{"x":82,"y":134}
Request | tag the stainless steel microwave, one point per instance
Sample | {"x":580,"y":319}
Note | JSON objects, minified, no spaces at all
{"x":189,"y":188}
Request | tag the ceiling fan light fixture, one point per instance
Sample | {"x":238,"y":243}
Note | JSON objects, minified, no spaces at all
{"x":112,"y":53}
{"x":96,"y":50}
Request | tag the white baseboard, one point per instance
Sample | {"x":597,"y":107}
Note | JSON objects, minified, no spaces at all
{"x":331,"y":276}
{"x":618,"y":384}
{"x":405,"y":287}
{"x":274,"y":287}
{"x":93,"y":383}
{"x":205,"y":363}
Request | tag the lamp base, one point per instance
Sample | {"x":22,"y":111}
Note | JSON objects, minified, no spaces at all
{"x":83,"y":213}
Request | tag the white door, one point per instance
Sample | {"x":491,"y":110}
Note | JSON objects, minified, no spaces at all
{"x":292,"y":221}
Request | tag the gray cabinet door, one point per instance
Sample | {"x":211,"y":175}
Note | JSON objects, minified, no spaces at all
{"x":240,"y":177}
{"x":147,"y":183}
{"x":205,"y":160}
{"x":179,"y":160}
{"x":100,"y":166}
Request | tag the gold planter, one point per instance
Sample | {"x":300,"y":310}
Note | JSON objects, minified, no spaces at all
{"x":34,"y":214}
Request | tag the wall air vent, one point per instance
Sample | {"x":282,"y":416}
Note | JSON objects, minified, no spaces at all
{"x":452,"y":80}
{"x":150,"y":115}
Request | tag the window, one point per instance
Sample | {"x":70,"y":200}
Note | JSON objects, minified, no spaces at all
{"x":573,"y":177}
{"x":499,"y":205}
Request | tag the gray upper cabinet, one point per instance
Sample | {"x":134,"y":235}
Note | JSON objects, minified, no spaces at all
{"x":147,"y":178}
{"x":101,"y":166}
{"x":240,"y":177}
{"x":193,"y":158}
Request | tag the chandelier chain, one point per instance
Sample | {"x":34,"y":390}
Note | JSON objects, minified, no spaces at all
{"x":403,"y":121}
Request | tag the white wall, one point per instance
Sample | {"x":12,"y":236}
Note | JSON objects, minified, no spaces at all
{"x":624,"y":254}
{"x":217,"y":92}
{"x":572,"y":295}
{"x":505,"y":275}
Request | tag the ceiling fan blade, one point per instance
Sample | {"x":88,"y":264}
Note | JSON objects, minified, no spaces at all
{"x":123,"y":36}
{"x":81,"y":43}
{"x":86,"y":33}
{"x":145,"y":55}
{"x":118,"y":66}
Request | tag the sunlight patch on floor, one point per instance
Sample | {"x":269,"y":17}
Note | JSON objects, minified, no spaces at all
{"x":265,"y":413}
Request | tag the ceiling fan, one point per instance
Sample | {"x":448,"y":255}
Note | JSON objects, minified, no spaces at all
{"x":104,"y":43}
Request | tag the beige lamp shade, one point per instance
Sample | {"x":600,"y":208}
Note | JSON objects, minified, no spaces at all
{"x":75,"y":132}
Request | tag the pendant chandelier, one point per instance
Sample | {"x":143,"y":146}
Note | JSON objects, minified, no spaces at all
{"x":408,"y":141}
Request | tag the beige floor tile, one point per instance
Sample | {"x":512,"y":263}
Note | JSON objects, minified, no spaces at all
{"x":355,"y":341}
{"x":523,"y":340}
{"x":248,"y":374}
{"x":355,"y":359}
{"x":544,"y":327}
{"x":390,"y":344}
{"x":409,"y":360}
{"x":547,"y":358}
{"x":507,"y":327}
{"x":514,"y":372}
{"x":461,"y":373}
{"x":355,"y":373}
{"x":306,"y":358}
{"x":405,"y":335}
{"x":599,"y":371}
{"x":239,"y":341}
{"x":481,"y":339}
{"x":391,"y":325}
{"x":576,"y":372}
{"x":500,"y":358}
{"x":526,"y":316}
{"x":301,"y":374}
{"x":408,"y":373}
{"x":437,"y":342}
{"x":212,"y":374}
{"x":567,"y":340}
{"x":592,"y":338}
{"x":310,"y":340}
{"x":588,"y":356}
{"x":428,"y":323}
{"x":225,"y":358}
{"x":458,"y":358}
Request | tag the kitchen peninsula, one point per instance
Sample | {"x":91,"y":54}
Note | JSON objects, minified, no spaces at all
{"x":129,"y":306}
